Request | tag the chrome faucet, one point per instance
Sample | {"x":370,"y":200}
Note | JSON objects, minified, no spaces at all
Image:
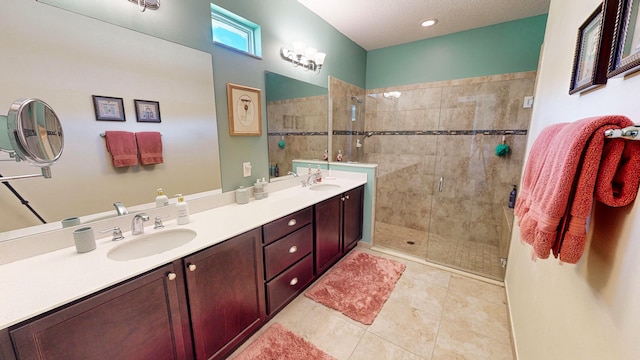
{"x":137,"y":224}
{"x":120,"y":208}
{"x":311,"y":180}
{"x":292,"y":173}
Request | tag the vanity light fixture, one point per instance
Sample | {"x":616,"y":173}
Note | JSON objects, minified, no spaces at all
{"x":147,"y":4}
{"x":306,"y":57}
{"x":428,"y":22}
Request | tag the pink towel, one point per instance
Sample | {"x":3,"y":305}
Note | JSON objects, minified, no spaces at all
{"x":150,"y":147}
{"x":122,"y":146}
{"x":560,"y":178}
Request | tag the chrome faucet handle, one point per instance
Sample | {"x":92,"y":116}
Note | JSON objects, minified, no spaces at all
{"x":158,"y":222}
{"x":117,"y":233}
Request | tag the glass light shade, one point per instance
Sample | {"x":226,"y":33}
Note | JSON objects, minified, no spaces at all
{"x":310,"y":53}
{"x":320,"y":58}
{"x":298,"y":47}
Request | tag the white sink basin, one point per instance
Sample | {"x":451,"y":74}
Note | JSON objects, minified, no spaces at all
{"x":324,"y":187}
{"x":151,"y":243}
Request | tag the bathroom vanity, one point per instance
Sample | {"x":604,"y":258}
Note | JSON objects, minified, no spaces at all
{"x":200,"y":300}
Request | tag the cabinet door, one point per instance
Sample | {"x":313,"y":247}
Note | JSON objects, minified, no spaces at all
{"x":140,"y":319}
{"x":328,"y":225}
{"x":226,"y":296}
{"x":352,"y":222}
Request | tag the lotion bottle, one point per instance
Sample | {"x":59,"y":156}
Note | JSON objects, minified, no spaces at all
{"x":161,"y":198}
{"x":183,"y":210}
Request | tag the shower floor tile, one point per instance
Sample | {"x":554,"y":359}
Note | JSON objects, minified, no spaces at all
{"x":481,"y":259}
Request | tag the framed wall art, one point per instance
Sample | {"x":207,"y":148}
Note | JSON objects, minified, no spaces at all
{"x":245,"y":110}
{"x":108,"y":108}
{"x":147,"y":111}
{"x":625,"y":52}
{"x":593,"y":46}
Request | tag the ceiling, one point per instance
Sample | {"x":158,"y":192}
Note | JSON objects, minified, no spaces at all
{"x":375,"y":24}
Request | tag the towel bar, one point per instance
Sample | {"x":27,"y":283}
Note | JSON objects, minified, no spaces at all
{"x":629,"y":133}
{"x":103,"y":134}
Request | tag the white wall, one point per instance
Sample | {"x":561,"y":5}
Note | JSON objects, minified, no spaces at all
{"x":590,"y":310}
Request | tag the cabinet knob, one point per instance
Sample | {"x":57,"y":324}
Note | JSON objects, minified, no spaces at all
{"x":171,"y":276}
{"x":292,"y":222}
{"x":293,"y":281}
{"x":293,"y":249}
{"x":192,"y":267}
{"x":347,"y":197}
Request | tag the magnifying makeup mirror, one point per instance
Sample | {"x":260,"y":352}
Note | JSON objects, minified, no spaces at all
{"x":31,"y":132}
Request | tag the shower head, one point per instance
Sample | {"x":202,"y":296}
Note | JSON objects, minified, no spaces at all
{"x":357,"y":99}
{"x":369,"y":134}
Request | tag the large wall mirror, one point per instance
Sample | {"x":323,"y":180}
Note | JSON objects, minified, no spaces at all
{"x":297,"y":115}
{"x":64,"y":58}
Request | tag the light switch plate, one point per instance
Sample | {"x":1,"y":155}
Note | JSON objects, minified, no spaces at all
{"x":246,"y":169}
{"x":528,"y":102}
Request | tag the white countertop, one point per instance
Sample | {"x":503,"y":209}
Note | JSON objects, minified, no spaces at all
{"x":41,"y":283}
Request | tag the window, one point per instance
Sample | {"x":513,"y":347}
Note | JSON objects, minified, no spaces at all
{"x":235,"y":32}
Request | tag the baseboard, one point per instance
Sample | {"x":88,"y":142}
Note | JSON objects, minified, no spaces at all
{"x":512,"y":332}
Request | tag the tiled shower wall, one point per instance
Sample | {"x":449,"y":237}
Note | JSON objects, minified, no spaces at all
{"x":447,"y":130}
{"x":302,"y":124}
{"x":342,"y":125}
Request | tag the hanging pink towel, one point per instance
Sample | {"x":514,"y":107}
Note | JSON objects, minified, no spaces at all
{"x":150,"y":147}
{"x":122,"y":147}
{"x":570,"y":164}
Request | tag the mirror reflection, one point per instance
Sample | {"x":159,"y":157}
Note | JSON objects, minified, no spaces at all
{"x":64,"y":59}
{"x":296,"y":121}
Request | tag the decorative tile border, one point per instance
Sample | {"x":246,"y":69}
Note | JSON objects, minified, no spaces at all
{"x":433,"y":132}
{"x":299,"y":133}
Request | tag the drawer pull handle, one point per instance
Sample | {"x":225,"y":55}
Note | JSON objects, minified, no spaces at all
{"x":292,"y":222}
{"x":293,"y":249}
{"x":192,"y":267}
{"x":171,"y":276}
{"x":293,"y":281}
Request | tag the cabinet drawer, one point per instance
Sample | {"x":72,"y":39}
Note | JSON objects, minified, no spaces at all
{"x":286,"y":251}
{"x":286,"y":285}
{"x":285,"y":225}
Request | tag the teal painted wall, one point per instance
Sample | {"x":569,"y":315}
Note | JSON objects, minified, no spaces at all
{"x":497,"y":49}
{"x":280,"y":87}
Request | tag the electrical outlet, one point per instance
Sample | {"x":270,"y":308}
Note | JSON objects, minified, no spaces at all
{"x":246,"y":169}
{"x":528,"y":102}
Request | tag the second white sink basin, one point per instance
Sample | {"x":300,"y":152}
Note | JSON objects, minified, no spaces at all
{"x":151,"y":243}
{"x":324,"y":187}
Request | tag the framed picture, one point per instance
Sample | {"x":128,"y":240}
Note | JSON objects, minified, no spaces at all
{"x":593,"y":47}
{"x":147,"y":111}
{"x":245,"y":110}
{"x":108,"y":108}
{"x":625,"y":52}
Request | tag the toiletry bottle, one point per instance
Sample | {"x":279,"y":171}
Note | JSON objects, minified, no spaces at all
{"x":339,"y":157}
{"x":276,"y":171}
{"x":318,"y":174}
{"x":183,"y":210}
{"x":512,"y":197}
{"x":161,"y":198}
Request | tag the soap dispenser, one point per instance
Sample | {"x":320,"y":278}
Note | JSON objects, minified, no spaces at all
{"x":161,"y":198}
{"x":512,"y":197}
{"x":319,"y":175}
{"x":183,"y":210}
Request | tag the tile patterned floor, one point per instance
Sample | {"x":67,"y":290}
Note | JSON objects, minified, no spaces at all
{"x":432,"y":314}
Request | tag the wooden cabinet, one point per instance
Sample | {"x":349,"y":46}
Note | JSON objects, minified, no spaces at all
{"x":287,"y":258}
{"x":353,"y":205}
{"x":226,"y":297}
{"x":145,"y":318}
{"x":338,"y":224}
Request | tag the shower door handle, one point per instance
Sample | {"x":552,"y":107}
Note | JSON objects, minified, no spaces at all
{"x":441,"y":184}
